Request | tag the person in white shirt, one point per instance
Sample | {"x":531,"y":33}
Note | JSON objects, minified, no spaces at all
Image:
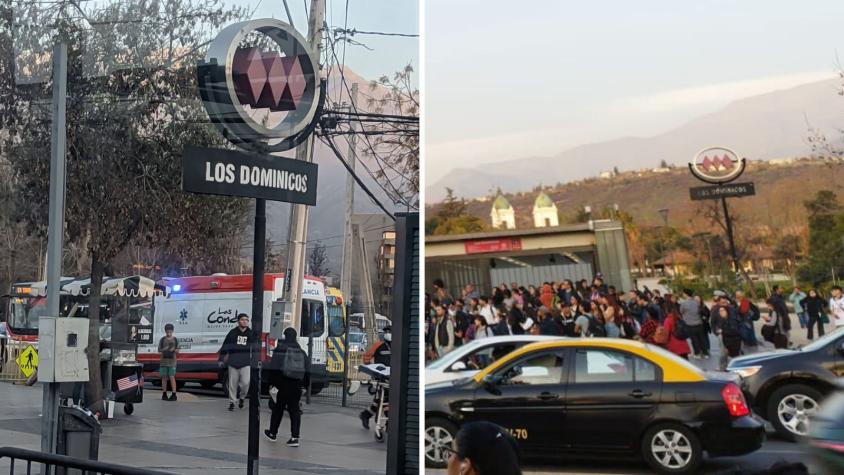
{"x":486,"y":311}
{"x":836,"y":307}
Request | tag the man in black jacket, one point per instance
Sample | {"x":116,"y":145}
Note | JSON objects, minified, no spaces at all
{"x":235,"y":354}
{"x":288,"y":372}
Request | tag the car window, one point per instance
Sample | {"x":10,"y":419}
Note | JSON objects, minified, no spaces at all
{"x":608,"y":366}
{"x":543,"y":368}
{"x":488,"y":354}
{"x":644,"y":370}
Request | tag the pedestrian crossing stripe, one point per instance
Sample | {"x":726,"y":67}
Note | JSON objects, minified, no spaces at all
{"x":28,"y":361}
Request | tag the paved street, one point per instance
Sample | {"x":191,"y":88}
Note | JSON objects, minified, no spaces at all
{"x":197,"y":435}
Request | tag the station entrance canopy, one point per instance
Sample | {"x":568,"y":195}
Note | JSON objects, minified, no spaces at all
{"x":529,"y":256}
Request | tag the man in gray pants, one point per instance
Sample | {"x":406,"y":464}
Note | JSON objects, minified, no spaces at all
{"x":690,"y":309}
{"x":235,"y":354}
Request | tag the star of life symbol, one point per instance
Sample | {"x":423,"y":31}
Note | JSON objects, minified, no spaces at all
{"x":183,"y":316}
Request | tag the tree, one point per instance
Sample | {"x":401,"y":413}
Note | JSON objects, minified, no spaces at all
{"x":318,"y":261}
{"x":132,"y":107}
{"x":826,"y":245}
{"x":395,"y":147}
{"x":663,"y":164}
{"x":452,"y":218}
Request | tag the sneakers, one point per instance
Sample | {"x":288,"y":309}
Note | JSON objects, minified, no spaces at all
{"x":173,"y":397}
{"x":164,"y":396}
{"x":271,"y":437}
{"x":240,"y":403}
{"x":231,"y":406}
{"x":364,"y":419}
{"x":293,"y":442}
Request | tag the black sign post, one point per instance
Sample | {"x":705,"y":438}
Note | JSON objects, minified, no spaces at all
{"x":235,"y":173}
{"x":721,"y":166}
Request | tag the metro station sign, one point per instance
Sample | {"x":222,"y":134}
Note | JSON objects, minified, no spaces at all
{"x":485,"y":246}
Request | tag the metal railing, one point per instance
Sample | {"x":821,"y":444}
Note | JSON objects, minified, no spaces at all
{"x":28,"y":460}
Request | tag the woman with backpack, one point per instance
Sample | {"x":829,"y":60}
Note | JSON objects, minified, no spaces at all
{"x":675,"y":327}
{"x":288,"y":374}
{"x":815,"y":307}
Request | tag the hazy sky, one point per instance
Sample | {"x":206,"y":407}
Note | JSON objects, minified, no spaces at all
{"x":389,"y":53}
{"x":507,"y":80}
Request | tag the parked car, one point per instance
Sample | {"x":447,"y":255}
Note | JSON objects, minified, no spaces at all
{"x":786,"y":387}
{"x":357,"y":341}
{"x":465,"y":361}
{"x":827,"y":433}
{"x":599,"y":397}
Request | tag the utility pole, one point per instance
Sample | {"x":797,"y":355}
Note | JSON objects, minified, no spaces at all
{"x":348,"y":246}
{"x":369,"y":309}
{"x":298,"y":231}
{"x":55,"y":235}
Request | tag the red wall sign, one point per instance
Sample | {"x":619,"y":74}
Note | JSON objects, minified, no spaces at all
{"x":493,"y":245}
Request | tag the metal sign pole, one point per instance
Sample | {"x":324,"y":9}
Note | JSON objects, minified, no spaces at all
{"x":50,"y":404}
{"x":729,"y":224}
{"x":257,"y":330}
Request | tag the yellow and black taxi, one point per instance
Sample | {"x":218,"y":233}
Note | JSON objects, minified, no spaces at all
{"x":598,"y":397}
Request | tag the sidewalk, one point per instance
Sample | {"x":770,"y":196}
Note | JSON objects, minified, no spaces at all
{"x":198,"y":435}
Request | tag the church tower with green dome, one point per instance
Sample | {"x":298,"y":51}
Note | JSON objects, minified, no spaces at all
{"x":502,"y":214}
{"x":545,"y":212}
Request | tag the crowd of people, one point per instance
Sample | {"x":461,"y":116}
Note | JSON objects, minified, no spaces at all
{"x":681,"y":323}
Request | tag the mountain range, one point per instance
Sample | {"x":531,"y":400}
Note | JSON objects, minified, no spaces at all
{"x":763,"y":127}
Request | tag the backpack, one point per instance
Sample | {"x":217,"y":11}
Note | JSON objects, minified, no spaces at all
{"x":753,"y":314}
{"x":661,"y":335}
{"x":500,"y":328}
{"x":294,"y":364}
{"x":596,"y":328}
{"x":681,"y":329}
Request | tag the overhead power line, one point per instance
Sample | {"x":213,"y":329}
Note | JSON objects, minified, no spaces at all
{"x":355,"y":31}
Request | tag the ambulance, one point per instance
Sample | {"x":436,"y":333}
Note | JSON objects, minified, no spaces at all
{"x":202,"y":310}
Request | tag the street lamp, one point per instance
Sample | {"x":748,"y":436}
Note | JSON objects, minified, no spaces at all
{"x":664,"y":213}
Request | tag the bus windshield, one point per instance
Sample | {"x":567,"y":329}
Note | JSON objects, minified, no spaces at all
{"x":25,"y":312}
{"x":336,"y":325}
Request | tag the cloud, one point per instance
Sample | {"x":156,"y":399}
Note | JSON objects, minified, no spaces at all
{"x":719,"y":93}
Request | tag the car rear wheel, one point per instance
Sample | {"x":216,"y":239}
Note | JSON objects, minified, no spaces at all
{"x":439,"y":433}
{"x":789,"y":410}
{"x":672,"y":448}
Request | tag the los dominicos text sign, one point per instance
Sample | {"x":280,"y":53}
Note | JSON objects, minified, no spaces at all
{"x":234,"y":173}
{"x":732,"y":190}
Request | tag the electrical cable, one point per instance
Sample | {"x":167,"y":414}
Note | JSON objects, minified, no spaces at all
{"x":327,"y":140}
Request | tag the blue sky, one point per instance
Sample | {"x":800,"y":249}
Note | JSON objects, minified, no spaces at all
{"x":507,"y":80}
{"x":393,"y":16}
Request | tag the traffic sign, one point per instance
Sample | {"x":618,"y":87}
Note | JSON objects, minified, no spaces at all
{"x":733,"y":190}
{"x":28,"y":361}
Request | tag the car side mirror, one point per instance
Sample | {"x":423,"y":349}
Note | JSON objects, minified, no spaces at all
{"x":459,"y":366}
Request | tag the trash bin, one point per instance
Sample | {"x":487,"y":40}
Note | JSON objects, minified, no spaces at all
{"x":79,"y":436}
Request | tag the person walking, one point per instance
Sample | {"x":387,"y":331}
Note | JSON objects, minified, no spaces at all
{"x":288,"y":372}
{"x":836,"y":307}
{"x":676,"y":344}
{"x":728,"y":329}
{"x":235,"y":354}
{"x":795,"y":297}
{"x":814,"y":306}
{"x":443,"y":332}
{"x":484,"y":357}
{"x":777,"y":303}
{"x":690,"y":312}
{"x":168,"y":347}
